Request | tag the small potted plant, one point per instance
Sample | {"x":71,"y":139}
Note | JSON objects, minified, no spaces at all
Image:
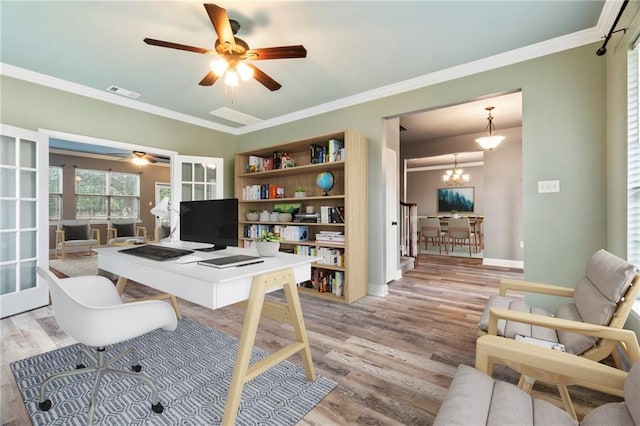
{"x":253,"y":215}
{"x":454,"y":214}
{"x":268,"y":244}
{"x":299,"y":192}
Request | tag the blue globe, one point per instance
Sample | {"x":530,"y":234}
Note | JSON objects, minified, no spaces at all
{"x":325,"y":181}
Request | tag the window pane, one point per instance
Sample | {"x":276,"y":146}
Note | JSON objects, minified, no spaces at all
{"x":198,"y":192}
{"x":28,"y":244}
{"x":88,"y":207}
{"x":198,"y":173}
{"x":27,"y":154}
{"x":125,"y":207}
{"x":28,"y":184}
{"x":91,"y":182}
{"x":55,"y":180}
{"x":186,"y":192}
{"x":8,"y":179}
{"x":8,"y":216}
{"x":8,"y":279}
{"x":187,"y":175}
{"x":27,"y":275}
{"x":55,"y":206}
{"x":7,"y":150}
{"x":7,"y":246}
{"x":125,"y":184}
{"x":211,"y":173}
{"x":27,"y":214}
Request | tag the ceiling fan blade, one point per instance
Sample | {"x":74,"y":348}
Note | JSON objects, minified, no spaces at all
{"x":264,"y":79}
{"x":171,"y":45}
{"x":209,"y":79}
{"x":281,"y":52}
{"x":220,"y":22}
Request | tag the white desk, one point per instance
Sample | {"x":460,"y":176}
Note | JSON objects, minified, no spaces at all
{"x":215,"y":288}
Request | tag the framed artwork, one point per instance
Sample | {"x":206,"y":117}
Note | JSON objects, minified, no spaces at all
{"x":460,"y":199}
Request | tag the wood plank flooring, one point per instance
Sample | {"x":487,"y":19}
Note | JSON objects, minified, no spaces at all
{"x":393,"y":358}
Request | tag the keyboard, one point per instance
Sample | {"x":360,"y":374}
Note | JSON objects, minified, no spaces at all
{"x":156,"y":252}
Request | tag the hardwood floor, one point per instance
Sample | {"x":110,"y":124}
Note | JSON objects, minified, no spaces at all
{"x":393,"y":358}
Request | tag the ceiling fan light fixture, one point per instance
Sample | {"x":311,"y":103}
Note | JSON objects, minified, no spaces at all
{"x":219,"y":67}
{"x":231,"y":78}
{"x":490,"y":141}
{"x":139,"y":161}
{"x":245,"y":71}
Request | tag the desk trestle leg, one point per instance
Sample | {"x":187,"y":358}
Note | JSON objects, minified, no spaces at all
{"x":257,"y":306}
{"x":122,"y":283}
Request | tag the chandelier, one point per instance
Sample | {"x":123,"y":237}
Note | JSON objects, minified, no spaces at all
{"x":490,"y":141}
{"x":455,"y":176}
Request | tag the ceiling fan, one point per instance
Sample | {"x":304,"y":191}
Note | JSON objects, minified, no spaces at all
{"x":234,"y":52}
{"x":141,"y":157}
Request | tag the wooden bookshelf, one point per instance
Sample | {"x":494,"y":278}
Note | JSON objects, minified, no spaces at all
{"x":350,"y":192}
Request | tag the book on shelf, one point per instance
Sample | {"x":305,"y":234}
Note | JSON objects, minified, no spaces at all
{"x":317,"y":153}
{"x":335,"y":150}
{"x":306,"y":217}
{"x":325,"y":281}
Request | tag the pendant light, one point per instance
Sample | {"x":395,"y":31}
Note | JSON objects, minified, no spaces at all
{"x":490,"y":141}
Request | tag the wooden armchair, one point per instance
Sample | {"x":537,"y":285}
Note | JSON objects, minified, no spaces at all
{"x":120,"y":231}
{"x":474,"y":398}
{"x":603,"y":297}
{"x":74,"y":233}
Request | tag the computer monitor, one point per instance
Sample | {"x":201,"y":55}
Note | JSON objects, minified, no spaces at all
{"x":210,"y":221}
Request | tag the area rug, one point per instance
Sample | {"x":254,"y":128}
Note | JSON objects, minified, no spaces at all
{"x":191,"y":367}
{"x":76,"y":266}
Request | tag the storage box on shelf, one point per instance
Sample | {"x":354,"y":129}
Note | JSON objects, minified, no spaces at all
{"x":333,"y":226}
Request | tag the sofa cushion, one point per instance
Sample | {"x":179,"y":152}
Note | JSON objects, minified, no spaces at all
{"x":76,"y":232}
{"x":125,"y":229}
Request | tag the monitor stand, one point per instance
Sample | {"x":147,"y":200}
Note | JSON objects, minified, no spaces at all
{"x":212,"y":248}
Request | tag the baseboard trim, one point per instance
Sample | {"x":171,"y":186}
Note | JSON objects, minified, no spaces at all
{"x":504,"y":263}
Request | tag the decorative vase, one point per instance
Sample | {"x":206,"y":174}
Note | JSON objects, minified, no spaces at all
{"x":300,"y":194}
{"x":285,"y":217}
{"x":265,"y":216}
{"x":253,"y":216}
{"x":267,"y":248}
{"x":455,"y":216}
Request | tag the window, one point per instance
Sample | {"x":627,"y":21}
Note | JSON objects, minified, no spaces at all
{"x":55,"y":193}
{"x":105,"y":194}
{"x":633,"y":162}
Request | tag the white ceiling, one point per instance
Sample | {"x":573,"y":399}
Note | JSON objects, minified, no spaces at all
{"x":357,"y":51}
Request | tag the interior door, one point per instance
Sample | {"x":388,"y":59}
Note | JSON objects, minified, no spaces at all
{"x":24,"y":237}
{"x":194,"y":178}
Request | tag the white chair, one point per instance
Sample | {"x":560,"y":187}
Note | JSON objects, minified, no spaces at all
{"x":125,"y":230}
{"x":73,"y":233}
{"x":89,"y":309}
{"x":460,"y":231}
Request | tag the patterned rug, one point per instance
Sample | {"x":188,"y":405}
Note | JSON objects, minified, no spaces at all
{"x":191,"y":367}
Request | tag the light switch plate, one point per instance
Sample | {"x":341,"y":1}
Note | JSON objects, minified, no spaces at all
{"x":545,"y":186}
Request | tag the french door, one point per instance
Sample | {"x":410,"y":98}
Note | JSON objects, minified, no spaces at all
{"x":194,"y":178}
{"x":24,"y":214}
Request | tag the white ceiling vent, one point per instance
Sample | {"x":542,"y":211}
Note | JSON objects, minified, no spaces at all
{"x":123,"y":92}
{"x":235,"y":116}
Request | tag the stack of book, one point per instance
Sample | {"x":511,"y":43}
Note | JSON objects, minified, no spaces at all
{"x":331,"y":214}
{"x":306,"y":217}
{"x":334,"y":237}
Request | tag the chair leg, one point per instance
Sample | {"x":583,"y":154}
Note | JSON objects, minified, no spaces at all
{"x":566,"y":399}
{"x":101,"y":368}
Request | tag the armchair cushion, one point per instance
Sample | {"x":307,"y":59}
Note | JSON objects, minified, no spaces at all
{"x":125,"y":229}
{"x":632,"y":393}
{"x":609,"y":274}
{"x":615,"y":413}
{"x":76,"y":232}
{"x":511,"y":328}
{"x":573,"y":343}
{"x":476,"y":399}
